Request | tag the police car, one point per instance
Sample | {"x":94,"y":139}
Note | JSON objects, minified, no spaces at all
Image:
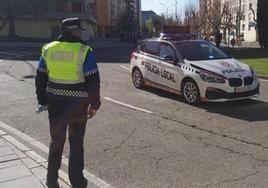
{"x":196,"y":69}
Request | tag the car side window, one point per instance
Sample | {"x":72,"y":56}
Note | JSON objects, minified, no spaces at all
{"x":166,"y":50}
{"x":151,"y":47}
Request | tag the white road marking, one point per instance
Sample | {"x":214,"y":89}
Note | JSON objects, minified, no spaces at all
{"x":26,"y":53}
{"x":128,"y":105}
{"x":8,"y":53}
{"x":262,"y":80}
{"x":91,"y":177}
{"x":15,"y":55}
{"x":126,"y":68}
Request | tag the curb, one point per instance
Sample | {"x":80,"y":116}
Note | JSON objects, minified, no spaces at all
{"x":264,"y":77}
{"x":25,"y":151}
{"x":93,"y":181}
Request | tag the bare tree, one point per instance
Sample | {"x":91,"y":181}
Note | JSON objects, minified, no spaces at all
{"x":214,"y":16}
{"x":228,"y":21}
{"x":10,"y":10}
{"x":239,"y":16}
{"x":192,"y":18}
{"x":166,"y":9}
{"x":176,"y":11}
{"x":256,"y":23}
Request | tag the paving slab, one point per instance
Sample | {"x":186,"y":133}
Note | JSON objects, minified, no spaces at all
{"x":30,"y":163}
{"x":2,"y":143}
{"x":21,"y":167}
{"x":10,"y":164}
{"x":39,"y":172}
{"x":14,"y":172}
{"x":26,"y":182}
{"x":4,"y":151}
{"x":8,"y":158}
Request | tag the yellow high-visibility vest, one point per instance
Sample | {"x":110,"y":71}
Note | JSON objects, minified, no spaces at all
{"x":64,"y":61}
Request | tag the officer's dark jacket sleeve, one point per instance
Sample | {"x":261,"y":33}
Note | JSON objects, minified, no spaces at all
{"x":92,"y":79}
{"x":41,"y":81}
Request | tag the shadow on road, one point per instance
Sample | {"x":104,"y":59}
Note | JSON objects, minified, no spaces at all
{"x":247,"y":110}
{"x":113,"y":55}
{"x":103,"y":55}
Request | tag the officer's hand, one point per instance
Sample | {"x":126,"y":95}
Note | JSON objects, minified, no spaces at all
{"x":91,"y":113}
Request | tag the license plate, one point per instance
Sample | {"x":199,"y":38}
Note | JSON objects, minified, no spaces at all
{"x":242,"y":89}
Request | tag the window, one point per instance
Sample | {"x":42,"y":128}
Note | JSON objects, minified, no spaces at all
{"x":243,"y":27}
{"x":151,"y":47}
{"x":166,"y":50}
{"x":250,"y":6}
{"x":249,"y":17}
{"x":196,"y":51}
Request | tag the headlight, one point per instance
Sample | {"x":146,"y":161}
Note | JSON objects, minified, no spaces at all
{"x":211,"y":78}
{"x":253,"y":73}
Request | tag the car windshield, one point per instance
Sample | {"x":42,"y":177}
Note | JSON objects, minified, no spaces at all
{"x":199,"y":50}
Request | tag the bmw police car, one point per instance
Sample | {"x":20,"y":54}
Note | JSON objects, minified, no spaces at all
{"x":195,"y":69}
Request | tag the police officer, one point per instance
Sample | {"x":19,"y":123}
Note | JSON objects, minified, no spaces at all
{"x":68,"y":83}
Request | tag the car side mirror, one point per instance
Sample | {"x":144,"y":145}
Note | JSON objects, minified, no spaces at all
{"x":171,"y":59}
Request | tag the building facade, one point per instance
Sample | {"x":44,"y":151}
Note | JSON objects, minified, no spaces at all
{"x":46,"y":24}
{"x":109,"y":13}
{"x":248,"y":11}
{"x":147,"y":15}
{"x":210,"y":13}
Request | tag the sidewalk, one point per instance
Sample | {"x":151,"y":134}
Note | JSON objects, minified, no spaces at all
{"x":21,"y":167}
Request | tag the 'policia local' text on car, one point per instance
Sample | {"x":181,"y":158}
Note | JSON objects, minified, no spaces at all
{"x":194,"y":68}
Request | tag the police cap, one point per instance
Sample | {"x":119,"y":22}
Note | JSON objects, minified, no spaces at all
{"x":71,"y":24}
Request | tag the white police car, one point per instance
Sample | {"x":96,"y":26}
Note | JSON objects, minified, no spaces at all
{"x":194,"y":68}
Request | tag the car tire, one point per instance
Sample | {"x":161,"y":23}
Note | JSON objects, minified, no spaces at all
{"x":190,"y":92}
{"x":137,"y":79}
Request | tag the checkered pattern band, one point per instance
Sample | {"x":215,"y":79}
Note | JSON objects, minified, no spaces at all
{"x":71,"y":27}
{"x":42,"y":70}
{"x":67,"y":93}
{"x":92,"y":72}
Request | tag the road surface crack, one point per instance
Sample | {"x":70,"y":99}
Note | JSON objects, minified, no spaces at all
{"x":122,"y":143}
{"x":210,"y":131}
{"x":234,"y":180}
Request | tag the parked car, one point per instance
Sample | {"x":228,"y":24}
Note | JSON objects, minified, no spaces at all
{"x":196,"y":69}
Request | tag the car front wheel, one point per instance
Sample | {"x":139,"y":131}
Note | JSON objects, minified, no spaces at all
{"x":137,"y":78}
{"x":191,"y":92}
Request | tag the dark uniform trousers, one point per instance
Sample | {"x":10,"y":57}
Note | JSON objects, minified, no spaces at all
{"x":65,"y":113}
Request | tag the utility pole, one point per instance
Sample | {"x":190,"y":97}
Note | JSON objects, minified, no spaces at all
{"x":238,"y":19}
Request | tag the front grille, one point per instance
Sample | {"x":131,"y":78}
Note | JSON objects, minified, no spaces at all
{"x":220,"y":94}
{"x":248,"y":81}
{"x":235,"y":82}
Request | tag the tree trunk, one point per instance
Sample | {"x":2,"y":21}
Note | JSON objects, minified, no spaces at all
{"x":11,"y":19}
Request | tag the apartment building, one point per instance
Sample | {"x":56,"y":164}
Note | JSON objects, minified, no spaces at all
{"x":248,"y":9}
{"x":44,"y":23}
{"x":108,"y":14}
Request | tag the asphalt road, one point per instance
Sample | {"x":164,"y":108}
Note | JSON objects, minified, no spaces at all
{"x":149,"y":138}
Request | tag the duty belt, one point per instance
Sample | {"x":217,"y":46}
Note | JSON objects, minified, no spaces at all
{"x":67,"y":93}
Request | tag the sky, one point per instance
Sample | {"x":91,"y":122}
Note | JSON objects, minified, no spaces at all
{"x":164,"y":6}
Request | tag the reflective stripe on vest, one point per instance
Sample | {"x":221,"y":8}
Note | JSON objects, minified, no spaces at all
{"x":65,"y":61}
